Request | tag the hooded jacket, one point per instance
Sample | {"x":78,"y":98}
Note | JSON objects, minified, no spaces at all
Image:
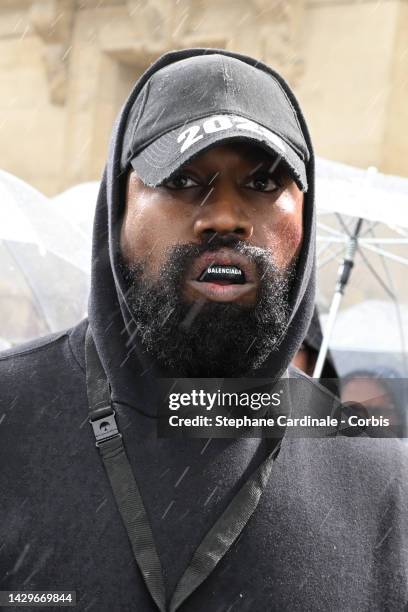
{"x":330,"y":530}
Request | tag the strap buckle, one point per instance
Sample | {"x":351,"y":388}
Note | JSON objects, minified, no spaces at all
{"x":105,"y":428}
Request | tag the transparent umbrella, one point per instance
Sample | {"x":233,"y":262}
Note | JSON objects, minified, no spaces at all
{"x":45,"y":262}
{"x":362,"y":241}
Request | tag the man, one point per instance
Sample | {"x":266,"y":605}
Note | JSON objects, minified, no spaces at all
{"x":203,"y":266}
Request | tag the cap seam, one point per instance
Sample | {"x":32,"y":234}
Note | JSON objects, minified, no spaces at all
{"x":224,"y":75}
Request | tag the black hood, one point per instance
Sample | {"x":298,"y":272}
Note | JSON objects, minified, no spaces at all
{"x":130,"y":370}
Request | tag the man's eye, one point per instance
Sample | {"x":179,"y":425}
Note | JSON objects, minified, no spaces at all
{"x":262,"y":181}
{"x":181,"y":181}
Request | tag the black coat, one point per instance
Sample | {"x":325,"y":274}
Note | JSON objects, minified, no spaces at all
{"x":329,"y":533}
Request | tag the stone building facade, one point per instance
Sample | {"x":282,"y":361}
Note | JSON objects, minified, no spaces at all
{"x":67,"y":65}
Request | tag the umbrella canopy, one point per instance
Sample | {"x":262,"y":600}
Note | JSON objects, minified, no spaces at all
{"x":362,"y":327}
{"x":361,"y":193}
{"x":44,"y":261}
{"x":30,"y":217}
{"x":373,"y":313}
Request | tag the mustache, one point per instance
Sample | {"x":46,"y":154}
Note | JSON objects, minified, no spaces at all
{"x":185,"y":254}
{"x":179,"y":259}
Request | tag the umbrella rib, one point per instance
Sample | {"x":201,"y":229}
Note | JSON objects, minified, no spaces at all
{"x":342,"y":223}
{"x":376,"y":240}
{"x":368,"y":229}
{"x":333,"y":239}
{"x":379,"y":251}
{"x":330,"y":258}
{"x":329,"y":229}
{"x":400,"y":230}
{"x":337,"y":237}
{"x":376,"y":275}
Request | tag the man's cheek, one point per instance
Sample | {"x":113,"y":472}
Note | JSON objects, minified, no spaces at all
{"x":136,"y":241}
{"x":288,"y":243}
{"x":289,"y":225}
{"x":131,"y":249}
{"x":294,"y":239}
{"x":282,"y":242}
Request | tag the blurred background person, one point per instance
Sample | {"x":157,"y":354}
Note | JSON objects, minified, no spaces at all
{"x":383,"y":393}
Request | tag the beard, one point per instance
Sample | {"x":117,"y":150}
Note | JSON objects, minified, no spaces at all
{"x":205,"y":338}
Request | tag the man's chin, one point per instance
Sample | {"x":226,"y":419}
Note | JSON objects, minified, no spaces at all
{"x":208,"y":339}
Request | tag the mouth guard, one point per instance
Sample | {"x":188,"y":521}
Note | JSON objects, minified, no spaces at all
{"x":232,"y":274}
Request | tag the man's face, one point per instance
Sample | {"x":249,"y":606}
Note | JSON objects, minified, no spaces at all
{"x":217,"y":241}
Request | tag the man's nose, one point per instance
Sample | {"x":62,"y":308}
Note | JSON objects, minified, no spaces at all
{"x":222,"y":212}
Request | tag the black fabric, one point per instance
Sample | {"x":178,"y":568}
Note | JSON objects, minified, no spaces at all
{"x":133,"y":513}
{"x":216,"y":542}
{"x":118,"y":469}
{"x":226,"y":530}
{"x":210,"y":85}
{"x":329,"y":532}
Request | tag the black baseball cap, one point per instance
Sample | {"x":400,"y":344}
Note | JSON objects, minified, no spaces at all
{"x":190,"y":105}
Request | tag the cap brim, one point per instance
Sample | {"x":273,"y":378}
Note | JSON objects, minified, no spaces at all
{"x":158,"y":161}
